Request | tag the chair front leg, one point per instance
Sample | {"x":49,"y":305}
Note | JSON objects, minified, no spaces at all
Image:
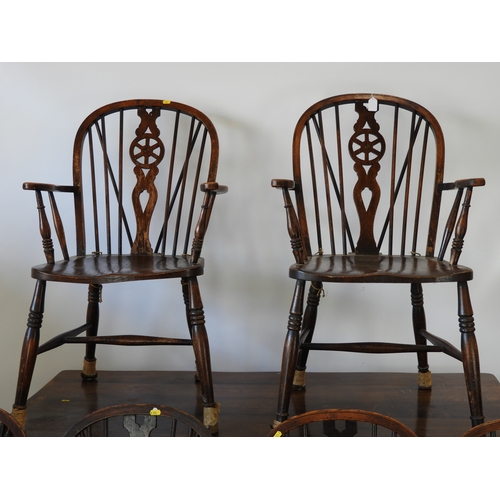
{"x":29,"y":352}
{"x":89,"y":371}
{"x":290,"y":352}
{"x":185,"y":295}
{"x":309,"y":323}
{"x":196,"y":323}
{"x":470,"y":354}
{"x":419,"y":324}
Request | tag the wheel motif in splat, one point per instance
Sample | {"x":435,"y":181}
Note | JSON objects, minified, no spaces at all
{"x":367,"y":147}
{"x":147,"y":151}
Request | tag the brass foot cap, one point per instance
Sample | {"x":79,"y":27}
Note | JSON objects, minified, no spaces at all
{"x":211,"y":417}
{"x":424,"y":380}
{"x":89,"y":371}
{"x":299,"y":380}
{"x":20,"y":415}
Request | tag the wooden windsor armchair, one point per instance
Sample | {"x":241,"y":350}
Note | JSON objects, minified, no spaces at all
{"x":368,"y":181}
{"x":357,"y":423}
{"x":138,"y":420}
{"x":141,"y":171}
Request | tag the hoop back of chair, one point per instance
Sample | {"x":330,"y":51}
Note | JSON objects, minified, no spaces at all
{"x":378,"y":425}
{"x":137,"y":170}
{"x":9,"y":426}
{"x":138,"y":420}
{"x":488,"y":429}
{"x":366,"y":171}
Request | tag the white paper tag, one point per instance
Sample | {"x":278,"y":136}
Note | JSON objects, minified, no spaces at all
{"x":372,"y":104}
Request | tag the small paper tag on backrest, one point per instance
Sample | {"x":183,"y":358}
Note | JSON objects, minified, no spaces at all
{"x":372,"y":104}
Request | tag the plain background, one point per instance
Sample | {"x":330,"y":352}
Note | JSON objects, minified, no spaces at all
{"x":245,"y":289}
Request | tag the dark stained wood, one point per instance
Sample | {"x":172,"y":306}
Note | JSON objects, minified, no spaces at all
{"x":368,"y":178}
{"x":102,"y":269}
{"x":357,"y":268}
{"x":366,"y":147}
{"x":144,"y":186}
{"x":248,"y":400}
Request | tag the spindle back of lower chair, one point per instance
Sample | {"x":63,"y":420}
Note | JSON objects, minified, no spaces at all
{"x":138,"y":420}
{"x":341,"y":423}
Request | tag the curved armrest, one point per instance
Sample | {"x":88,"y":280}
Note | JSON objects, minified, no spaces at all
{"x":457,"y":222}
{"x":213,"y":186}
{"x":462,"y":183}
{"x":283,"y":184}
{"x":51,"y":188}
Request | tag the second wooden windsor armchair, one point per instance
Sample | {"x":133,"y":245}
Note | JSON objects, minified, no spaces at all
{"x":144,"y":185}
{"x":368,"y":178}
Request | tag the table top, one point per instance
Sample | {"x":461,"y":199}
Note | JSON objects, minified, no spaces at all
{"x":248,"y":399}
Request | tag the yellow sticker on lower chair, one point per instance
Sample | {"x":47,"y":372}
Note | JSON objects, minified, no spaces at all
{"x":278,"y":434}
{"x":166,"y":102}
{"x":155,"y":412}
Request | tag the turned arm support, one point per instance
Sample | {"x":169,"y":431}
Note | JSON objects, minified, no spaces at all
{"x":458,"y":222}
{"x":211,"y":190}
{"x":292,"y":220}
{"x":45,"y":229}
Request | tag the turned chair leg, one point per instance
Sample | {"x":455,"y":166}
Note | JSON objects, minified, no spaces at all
{"x":29,"y":352}
{"x":290,"y":353}
{"x":196,"y":323}
{"x":419,"y":324}
{"x":308,"y":325}
{"x":470,"y":354}
{"x":185,"y":295}
{"x":89,"y":371}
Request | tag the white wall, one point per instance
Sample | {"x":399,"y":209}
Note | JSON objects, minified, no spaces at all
{"x":246,"y":289}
